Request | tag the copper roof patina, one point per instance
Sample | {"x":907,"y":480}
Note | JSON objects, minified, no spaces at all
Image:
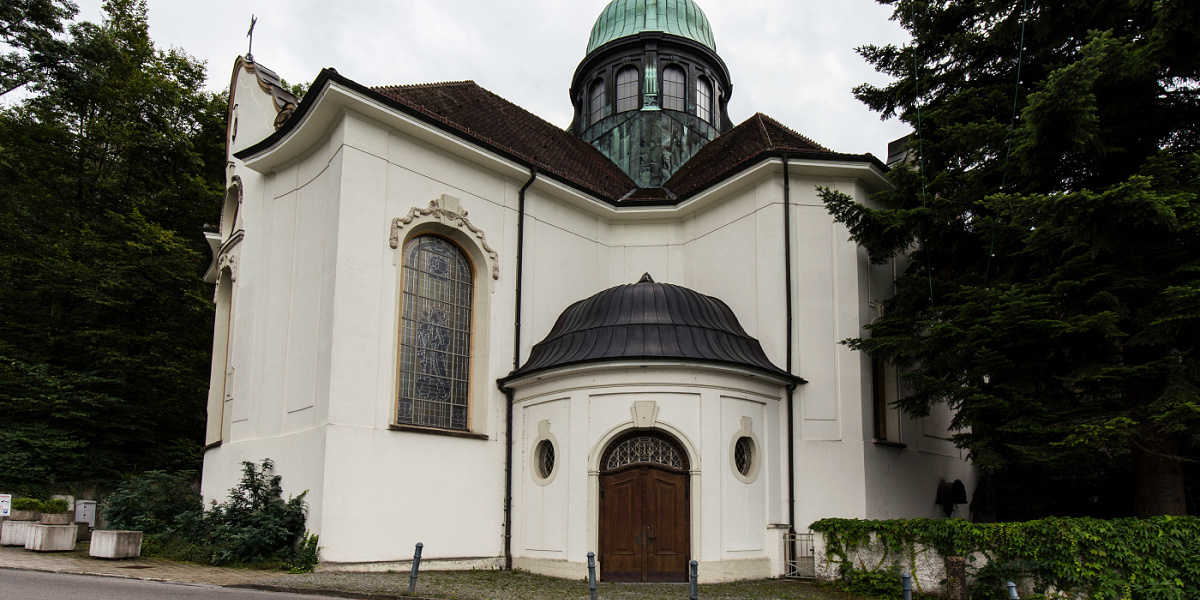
{"x":649,"y":321}
{"x":624,"y":18}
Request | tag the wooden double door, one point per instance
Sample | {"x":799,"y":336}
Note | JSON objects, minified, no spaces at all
{"x":644,"y":524}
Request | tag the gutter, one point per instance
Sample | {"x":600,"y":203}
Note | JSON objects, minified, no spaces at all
{"x":791,"y":389}
{"x":508,"y":392}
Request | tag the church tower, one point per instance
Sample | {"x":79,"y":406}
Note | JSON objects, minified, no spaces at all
{"x":651,"y":90}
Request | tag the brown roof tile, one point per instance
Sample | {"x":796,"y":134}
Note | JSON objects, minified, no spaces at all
{"x":467,"y":107}
{"x":735,"y":148}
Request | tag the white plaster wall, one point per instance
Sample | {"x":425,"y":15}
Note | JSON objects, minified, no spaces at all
{"x":701,"y":407}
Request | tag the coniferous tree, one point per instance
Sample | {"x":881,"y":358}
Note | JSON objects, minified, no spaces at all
{"x":107,"y":173}
{"x":1049,"y":222}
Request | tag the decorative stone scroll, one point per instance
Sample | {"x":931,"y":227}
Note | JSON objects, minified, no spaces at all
{"x":231,"y":261}
{"x":444,"y":209}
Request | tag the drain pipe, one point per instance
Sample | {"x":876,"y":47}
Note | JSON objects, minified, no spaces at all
{"x":508,"y":393}
{"x":791,"y":388}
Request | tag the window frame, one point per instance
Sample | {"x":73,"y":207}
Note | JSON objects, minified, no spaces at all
{"x":596,"y":110}
{"x":626,"y":103}
{"x":468,"y":383}
{"x":704,"y":99}
{"x":669,"y":101}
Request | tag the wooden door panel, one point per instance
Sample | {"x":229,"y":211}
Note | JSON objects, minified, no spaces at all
{"x":620,"y":526}
{"x":666,"y":517}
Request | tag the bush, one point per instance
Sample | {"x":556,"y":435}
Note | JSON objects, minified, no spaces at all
{"x":880,"y":583}
{"x":152,"y":502}
{"x":57,"y":506}
{"x":28,"y":504}
{"x":255,"y":525}
{"x":1133,"y":559}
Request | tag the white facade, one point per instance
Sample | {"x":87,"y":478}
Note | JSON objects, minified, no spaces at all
{"x":308,"y":274}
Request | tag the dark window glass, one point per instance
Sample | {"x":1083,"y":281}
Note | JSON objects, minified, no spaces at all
{"x":627,"y":89}
{"x":596,"y":102}
{"x":674,"y":89}
{"x":704,"y":99}
{"x":435,"y":334}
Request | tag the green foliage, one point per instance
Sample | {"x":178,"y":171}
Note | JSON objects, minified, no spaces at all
{"x":1131,"y":559}
{"x":108,"y":170}
{"x":57,"y":506}
{"x":306,"y":554}
{"x":883,"y":582}
{"x":256,"y":524}
{"x":32,"y":504}
{"x":27,"y":29}
{"x":152,"y":502}
{"x":1049,"y":230}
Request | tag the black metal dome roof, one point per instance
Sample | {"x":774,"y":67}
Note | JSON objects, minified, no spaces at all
{"x":648,"y":321}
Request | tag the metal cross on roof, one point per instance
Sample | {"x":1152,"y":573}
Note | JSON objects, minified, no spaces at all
{"x":250,"y":34}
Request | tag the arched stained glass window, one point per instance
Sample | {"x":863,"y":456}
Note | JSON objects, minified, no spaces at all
{"x":627,"y":89}
{"x":674,"y":89}
{"x":644,"y":449}
{"x":435,"y":334}
{"x":596,"y":102}
{"x":704,"y":99}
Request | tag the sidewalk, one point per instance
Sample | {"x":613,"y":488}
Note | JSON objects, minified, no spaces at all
{"x":466,"y":585}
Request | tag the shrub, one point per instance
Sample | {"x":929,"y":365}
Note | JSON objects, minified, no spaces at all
{"x":28,"y":504}
{"x":57,"y":506}
{"x":255,"y":525}
{"x":1133,"y":559}
{"x":152,"y":502}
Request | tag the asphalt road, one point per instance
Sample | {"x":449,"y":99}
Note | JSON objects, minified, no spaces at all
{"x":34,"y":585}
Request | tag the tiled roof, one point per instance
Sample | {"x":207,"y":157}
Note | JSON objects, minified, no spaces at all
{"x":735,"y":148}
{"x":648,"y":321}
{"x":472,"y":110}
{"x":473,"y":113}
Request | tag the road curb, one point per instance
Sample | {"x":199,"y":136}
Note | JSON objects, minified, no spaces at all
{"x":324,"y":592}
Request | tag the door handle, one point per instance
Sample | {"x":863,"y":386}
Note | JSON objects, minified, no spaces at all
{"x":649,"y":538}
{"x":638,"y":539}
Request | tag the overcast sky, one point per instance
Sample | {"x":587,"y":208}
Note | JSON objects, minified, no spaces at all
{"x":791,"y":59}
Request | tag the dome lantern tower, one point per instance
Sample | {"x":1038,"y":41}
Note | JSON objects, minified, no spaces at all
{"x":651,"y":90}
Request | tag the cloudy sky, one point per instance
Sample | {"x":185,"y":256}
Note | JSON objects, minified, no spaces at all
{"x":791,"y":59}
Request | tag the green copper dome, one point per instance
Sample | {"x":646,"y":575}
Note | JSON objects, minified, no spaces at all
{"x":623,"y":18}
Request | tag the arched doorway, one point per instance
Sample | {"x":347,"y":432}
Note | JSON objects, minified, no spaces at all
{"x":645,"y":521}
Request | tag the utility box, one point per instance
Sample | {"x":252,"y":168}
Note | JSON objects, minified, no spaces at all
{"x":85,"y":512}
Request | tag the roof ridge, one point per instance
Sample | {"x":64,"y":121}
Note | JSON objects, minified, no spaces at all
{"x":763,"y":127}
{"x":792,"y":131}
{"x":432,"y":84}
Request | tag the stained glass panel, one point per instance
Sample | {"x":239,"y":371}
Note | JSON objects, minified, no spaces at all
{"x":644,"y":449}
{"x":435,"y":334}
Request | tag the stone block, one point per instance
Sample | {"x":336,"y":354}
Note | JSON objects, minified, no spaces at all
{"x":15,"y":533}
{"x":51,"y":538}
{"x":57,"y":518}
{"x":113,"y":543}
{"x":25,"y":515}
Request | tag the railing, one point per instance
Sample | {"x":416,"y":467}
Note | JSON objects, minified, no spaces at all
{"x":798,"y":559}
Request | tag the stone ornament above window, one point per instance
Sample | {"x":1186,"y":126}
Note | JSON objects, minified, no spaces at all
{"x":446,"y":211}
{"x":745,"y":453}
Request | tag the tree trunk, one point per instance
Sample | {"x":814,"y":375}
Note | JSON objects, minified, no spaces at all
{"x":1158,"y":473}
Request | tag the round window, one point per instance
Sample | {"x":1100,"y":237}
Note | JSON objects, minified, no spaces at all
{"x":544,"y":456}
{"x":743,"y":455}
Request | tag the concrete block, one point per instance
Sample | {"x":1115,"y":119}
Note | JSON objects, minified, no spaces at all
{"x":51,"y":538}
{"x":57,"y":518}
{"x":84,"y":531}
{"x":14,"y":533}
{"x":112,"y":543}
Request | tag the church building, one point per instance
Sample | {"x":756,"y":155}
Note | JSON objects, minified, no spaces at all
{"x":454,"y":323}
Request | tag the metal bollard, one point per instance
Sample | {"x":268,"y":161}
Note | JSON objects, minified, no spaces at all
{"x":412,"y":578}
{"x":906,"y":585}
{"x":1012,"y":591}
{"x":592,"y":574}
{"x":694,"y":578}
